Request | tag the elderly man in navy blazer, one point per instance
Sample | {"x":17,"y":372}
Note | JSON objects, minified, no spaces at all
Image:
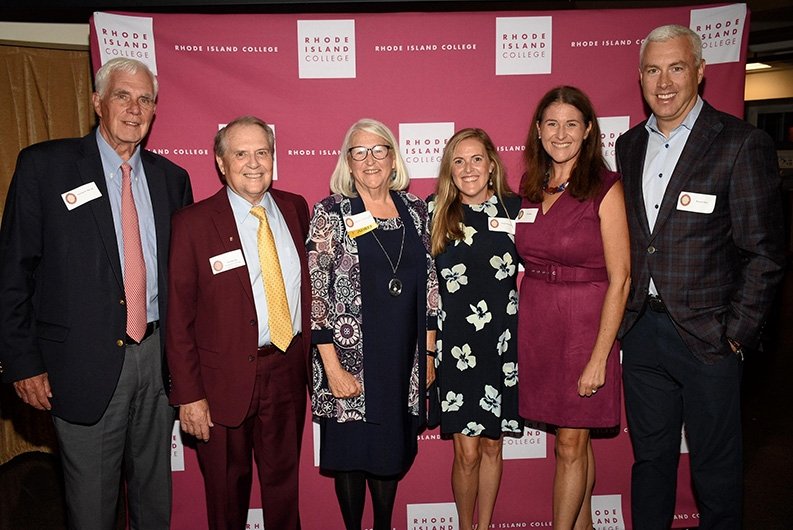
{"x":704,"y":211}
{"x":83,"y":275}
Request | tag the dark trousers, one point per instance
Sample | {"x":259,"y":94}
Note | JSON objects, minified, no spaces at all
{"x":271,"y":433}
{"x":666,"y":387}
{"x":135,"y":431}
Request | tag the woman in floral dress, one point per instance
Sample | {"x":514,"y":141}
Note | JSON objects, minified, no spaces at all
{"x":473,"y":244}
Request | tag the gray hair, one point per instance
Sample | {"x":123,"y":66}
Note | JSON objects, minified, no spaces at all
{"x":341,"y":181}
{"x":222,"y":134}
{"x":673,"y":31}
{"x":122,"y":64}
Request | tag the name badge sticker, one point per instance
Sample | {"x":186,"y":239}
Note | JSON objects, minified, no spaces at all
{"x":80,"y":195}
{"x":359,"y":224}
{"x":689,"y":201}
{"x":501,"y":224}
{"x":226,"y":261}
{"x":527,"y":215}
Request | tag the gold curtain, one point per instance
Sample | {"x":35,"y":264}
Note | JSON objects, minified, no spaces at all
{"x":44,"y":94}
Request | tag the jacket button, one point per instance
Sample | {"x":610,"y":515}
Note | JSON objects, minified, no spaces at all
{"x":119,"y":343}
{"x":252,"y":322}
{"x":122,"y":302}
{"x":651,"y":249}
{"x":251,"y":358}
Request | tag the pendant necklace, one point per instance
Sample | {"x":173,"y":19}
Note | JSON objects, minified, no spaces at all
{"x":395,"y":284}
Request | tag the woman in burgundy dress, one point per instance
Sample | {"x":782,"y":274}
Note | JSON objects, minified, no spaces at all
{"x":572,"y":235}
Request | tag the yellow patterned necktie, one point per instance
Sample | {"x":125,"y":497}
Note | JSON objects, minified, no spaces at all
{"x":279,"y":317}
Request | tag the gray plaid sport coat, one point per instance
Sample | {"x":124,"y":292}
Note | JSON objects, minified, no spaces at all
{"x":717,"y":273}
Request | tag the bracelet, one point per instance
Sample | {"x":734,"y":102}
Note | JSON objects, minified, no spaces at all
{"x":431,"y":353}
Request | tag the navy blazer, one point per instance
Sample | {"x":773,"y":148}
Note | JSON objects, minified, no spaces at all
{"x":717,"y":273}
{"x":61,"y":285}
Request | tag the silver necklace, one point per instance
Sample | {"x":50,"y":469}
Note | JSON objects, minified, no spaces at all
{"x":394,"y":284}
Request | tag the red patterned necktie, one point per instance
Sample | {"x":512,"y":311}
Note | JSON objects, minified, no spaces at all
{"x":134,"y":264}
{"x":279,"y":317}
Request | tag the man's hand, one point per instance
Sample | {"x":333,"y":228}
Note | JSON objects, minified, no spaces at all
{"x":35,"y":391}
{"x":195,"y":419}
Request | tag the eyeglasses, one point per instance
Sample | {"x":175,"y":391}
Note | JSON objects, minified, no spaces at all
{"x":359,"y":152}
{"x":125,"y":99}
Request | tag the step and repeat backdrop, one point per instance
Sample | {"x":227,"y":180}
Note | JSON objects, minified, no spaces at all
{"x":425,"y":75}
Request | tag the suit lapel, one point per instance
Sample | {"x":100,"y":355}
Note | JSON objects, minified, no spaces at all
{"x":91,"y":170}
{"x":223,"y":218}
{"x":155,"y":179}
{"x":704,"y":133}
{"x":635,"y":171}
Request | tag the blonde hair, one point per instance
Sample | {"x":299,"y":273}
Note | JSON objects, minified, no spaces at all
{"x":447,"y":217}
{"x":341,"y":181}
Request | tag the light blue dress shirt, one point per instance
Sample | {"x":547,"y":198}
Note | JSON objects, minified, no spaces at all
{"x":659,"y":164}
{"x":111,"y":164}
{"x":248,"y":227}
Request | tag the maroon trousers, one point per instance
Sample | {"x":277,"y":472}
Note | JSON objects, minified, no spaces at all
{"x":271,"y":433}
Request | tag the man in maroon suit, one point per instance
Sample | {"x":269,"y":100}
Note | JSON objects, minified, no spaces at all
{"x":240,"y":386}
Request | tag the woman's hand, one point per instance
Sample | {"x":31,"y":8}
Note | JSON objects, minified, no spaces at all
{"x":430,"y":370}
{"x":592,"y":378}
{"x":343,"y":384}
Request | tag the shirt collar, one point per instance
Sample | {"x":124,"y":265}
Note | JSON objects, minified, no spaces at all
{"x":242,"y":208}
{"x":688,"y":122}
{"x":112,"y":161}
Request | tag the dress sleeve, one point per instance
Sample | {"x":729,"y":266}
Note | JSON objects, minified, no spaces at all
{"x":322,"y":246}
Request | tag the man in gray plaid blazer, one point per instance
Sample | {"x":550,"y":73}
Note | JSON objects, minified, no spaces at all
{"x":707,"y":254}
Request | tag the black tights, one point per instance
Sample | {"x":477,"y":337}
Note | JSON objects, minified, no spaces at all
{"x":351,"y":492}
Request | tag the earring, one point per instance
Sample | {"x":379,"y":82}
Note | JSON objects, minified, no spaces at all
{"x":393,"y":174}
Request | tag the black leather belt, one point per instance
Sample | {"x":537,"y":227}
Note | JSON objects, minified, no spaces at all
{"x":150,"y":327}
{"x":655,"y":304}
{"x":267,"y":349}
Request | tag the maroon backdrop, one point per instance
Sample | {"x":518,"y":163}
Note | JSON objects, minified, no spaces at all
{"x":425,"y":75}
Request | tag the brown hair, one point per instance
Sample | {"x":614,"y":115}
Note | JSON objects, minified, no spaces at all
{"x":585,"y":177}
{"x":447,"y":216}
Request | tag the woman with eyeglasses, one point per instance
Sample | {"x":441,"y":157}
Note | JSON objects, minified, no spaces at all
{"x":375,"y":297}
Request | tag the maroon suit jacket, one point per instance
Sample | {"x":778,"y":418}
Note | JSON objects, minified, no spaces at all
{"x":212,"y":327}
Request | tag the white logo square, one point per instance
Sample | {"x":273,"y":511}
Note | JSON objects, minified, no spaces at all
{"x":533,"y":443}
{"x":721,"y":31}
{"x":523,"y":45}
{"x":125,"y":36}
{"x":432,"y":515}
{"x":422,"y":144}
{"x":607,"y":512}
{"x":255,"y":519}
{"x":611,"y":128}
{"x":177,"y":448}
{"x":326,"y":49}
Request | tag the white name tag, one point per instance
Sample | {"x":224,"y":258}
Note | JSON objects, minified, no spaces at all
{"x":501,"y":224}
{"x":226,"y":261}
{"x":689,"y":201}
{"x":80,"y":195}
{"x":527,"y":215}
{"x":359,"y":224}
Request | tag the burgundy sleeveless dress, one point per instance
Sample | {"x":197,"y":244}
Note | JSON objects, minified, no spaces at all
{"x":561,"y":297}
